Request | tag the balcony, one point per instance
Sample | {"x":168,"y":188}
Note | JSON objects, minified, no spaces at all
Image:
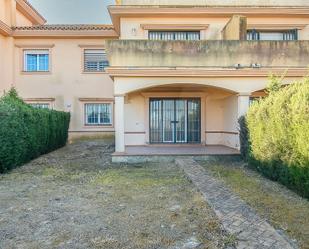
{"x":208,"y":54}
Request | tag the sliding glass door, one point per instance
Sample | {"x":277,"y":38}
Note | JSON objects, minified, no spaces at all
{"x":175,"y":120}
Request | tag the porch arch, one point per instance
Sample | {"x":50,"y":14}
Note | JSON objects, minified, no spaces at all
{"x":128,"y":85}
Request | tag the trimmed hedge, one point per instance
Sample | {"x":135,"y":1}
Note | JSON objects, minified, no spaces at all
{"x":277,"y":136}
{"x":27,"y":132}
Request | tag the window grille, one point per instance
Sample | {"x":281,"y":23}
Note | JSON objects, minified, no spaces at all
{"x":289,"y":35}
{"x":98,"y":114}
{"x":174,"y":35}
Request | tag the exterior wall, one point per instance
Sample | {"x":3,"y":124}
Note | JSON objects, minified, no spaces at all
{"x":136,"y":119}
{"x":235,"y":29}
{"x":131,"y":27}
{"x":218,"y":116}
{"x":67,"y":88}
{"x":230,"y":121}
{"x":218,"y":2}
{"x":237,"y":85}
{"x":7,"y":12}
{"x":6,"y":63}
{"x":269,"y":21}
{"x":66,"y":83}
{"x":220,"y":104}
{"x":21,"y":20}
{"x":11,"y":16}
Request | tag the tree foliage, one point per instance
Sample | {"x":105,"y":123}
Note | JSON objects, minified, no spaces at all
{"x":278,"y":134}
{"x":27,"y":132}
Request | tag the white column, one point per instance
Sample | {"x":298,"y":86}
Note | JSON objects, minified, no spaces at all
{"x":119,"y":123}
{"x":243,"y":103}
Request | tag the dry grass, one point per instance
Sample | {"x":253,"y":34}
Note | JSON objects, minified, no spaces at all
{"x":76,"y":198}
{"x":284,"y":209}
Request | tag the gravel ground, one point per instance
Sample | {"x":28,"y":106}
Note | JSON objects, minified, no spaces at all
{"x":76,"y":198}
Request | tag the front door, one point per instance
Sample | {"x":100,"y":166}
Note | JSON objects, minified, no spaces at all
{"x":175,"y":120}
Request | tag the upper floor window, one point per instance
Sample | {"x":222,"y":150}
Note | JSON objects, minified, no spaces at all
{"x":36,"y":60}
{"x":98,"y":114}
{"x":95,"y":60}
{"x":288,"y":35}
{"x":174,"y":35}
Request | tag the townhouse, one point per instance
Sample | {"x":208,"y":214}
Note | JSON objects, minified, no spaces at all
{"x":166,"y":72}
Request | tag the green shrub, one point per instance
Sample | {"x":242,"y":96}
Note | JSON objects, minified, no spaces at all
{"x":278,"y":127}
{"x":27,"y":132}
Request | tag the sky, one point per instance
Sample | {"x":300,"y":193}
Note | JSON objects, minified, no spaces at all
{"x":74,"y":11}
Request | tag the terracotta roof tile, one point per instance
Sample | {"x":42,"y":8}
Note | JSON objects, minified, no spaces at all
{"x":71,"y":27}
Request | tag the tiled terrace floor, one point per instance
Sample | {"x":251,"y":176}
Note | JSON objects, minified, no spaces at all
{"x":170,"y":150}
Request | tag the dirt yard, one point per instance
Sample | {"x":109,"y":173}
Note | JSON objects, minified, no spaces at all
{"x":76,"y":198}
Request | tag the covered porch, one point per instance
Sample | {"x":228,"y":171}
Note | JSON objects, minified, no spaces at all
{"x":169,"y":119}
{"x":185,"y":98}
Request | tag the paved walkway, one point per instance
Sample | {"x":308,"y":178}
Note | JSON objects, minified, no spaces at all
{"x":236,"y":216}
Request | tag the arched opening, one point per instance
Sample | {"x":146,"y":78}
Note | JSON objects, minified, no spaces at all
{"x":181,"y":113}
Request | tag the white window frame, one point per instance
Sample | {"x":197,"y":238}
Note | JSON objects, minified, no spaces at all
{"x":33,"y":104}
{"x":36,"y":52}
{"x":99,"y":124}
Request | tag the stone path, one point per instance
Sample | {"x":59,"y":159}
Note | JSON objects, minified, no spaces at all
{"x":251,"y":231}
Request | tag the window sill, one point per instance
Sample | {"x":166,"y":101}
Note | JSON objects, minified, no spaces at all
{"x":94,"y":72}
{"x":36,"y":72}
{"x":98,"y":126}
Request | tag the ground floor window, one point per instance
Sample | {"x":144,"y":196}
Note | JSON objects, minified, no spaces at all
{"x":175,"y":120}
{"x":40,"y":105}
{"x":98,"y":114}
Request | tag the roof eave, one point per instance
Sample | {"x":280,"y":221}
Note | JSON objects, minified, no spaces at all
{"x":5,"y":29}
{"x":64,"y":34}
{"x":33,"y":15}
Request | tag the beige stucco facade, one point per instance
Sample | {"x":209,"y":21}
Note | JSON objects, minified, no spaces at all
{"x":140,"y":70}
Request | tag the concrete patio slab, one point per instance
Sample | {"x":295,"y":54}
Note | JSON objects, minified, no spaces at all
{"x":168,"y":153}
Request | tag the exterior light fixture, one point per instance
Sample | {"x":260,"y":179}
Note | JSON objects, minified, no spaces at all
{"x":237,"y":66}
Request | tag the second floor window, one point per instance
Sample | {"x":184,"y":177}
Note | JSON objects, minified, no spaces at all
{"x":288,"y":35}
{"x":95,"y":60}
{"x":174,"y":35}
{"x":36,"y":60}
